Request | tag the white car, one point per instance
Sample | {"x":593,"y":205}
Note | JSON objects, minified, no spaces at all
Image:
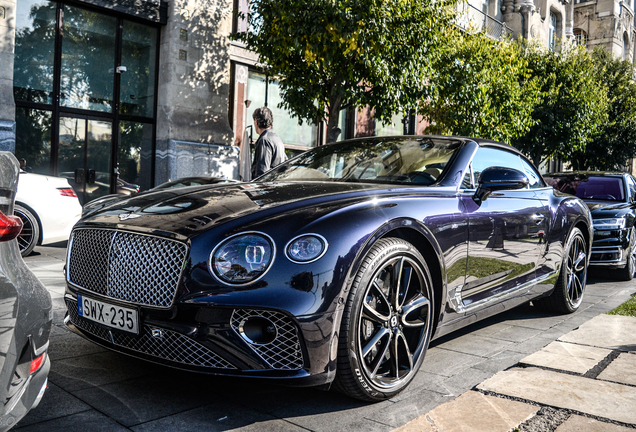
{"x":48,"y":207}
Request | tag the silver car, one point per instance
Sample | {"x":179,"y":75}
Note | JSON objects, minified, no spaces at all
{"x":25,"y":313}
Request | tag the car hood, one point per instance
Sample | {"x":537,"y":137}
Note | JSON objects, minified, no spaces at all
{"x":186,"y":211}
{"x":601,"y":210}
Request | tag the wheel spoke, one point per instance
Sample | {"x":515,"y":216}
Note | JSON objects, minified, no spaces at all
{"x":579,"y":264}
{"x":383,"y":331}
{"x":372,"y":314}
{"x":379,"y":358}
{"x":416,"y":305}
{"x":400,"y":338}
{"x":396,"y":283}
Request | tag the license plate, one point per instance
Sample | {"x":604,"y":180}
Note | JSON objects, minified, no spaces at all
{"x":108,"y":314}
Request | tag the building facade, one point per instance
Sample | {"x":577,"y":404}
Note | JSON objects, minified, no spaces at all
{"x":123,"y":94}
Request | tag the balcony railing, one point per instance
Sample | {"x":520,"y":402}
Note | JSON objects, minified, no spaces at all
{"x":472,"y":20}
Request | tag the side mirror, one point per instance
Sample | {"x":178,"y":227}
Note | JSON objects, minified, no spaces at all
{"x":498,"y":178}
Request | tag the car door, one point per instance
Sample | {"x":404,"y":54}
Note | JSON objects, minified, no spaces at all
{"x":506,"y":232}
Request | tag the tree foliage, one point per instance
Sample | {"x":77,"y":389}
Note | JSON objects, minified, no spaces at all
{"x":615,"y":140}
{"x":572,"y":106}
{"x":333,"y":54}
{"x":481,"y":87}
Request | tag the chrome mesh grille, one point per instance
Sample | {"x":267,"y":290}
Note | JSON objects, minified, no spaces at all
{"x":133,"y":267}
{"x":171,"y":346}
{"x":284,"y":352}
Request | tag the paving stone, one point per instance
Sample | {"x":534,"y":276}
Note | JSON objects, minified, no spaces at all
{"x":532,"y":345}
{"x":86,"y":371}
{"x":219,"y":417}
{"x":606,"y":331}
{"x":500,"y":361}
{"x":67,"y":345}
{"x":56,"y":403}
{"x":621,"y":370}
{"x":447,"y":363}
{"x":594,"y":397}
{"x":515,"y":334}
{"x":567,"y":357}
{"x":85,"y":421}
{"x":476,"y":345}
{"x":402,"y":412}
{"x":458,"y":384}
{"x":473,"y":412}
{"x":578,"y":423}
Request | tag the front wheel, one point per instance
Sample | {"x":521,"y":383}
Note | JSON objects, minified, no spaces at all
{"x":627,"y":273}
{"x":387,"y":322}
{"x":568,"y":291}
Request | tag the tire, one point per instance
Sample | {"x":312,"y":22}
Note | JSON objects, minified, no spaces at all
{"x":627,"y":273}
{"x":30,"y":233}
{"x":570,"y":287}
{"x":387,"y":322}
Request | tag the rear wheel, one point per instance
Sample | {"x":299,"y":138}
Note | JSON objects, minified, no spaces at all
{"x":568,"y":291}
{"x":30,"y":233}
{"x":387,"y":322}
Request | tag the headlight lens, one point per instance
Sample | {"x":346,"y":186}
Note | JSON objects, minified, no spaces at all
{"x":609,"y":224}
{"x":306,"y":248}
{"x":242,"y":259}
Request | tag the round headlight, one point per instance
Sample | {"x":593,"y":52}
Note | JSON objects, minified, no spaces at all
{"x":243,"y":258}
{"x":306,"y":248}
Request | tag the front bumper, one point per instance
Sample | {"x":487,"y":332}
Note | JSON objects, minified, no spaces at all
{"x":610,"y":248}
{"x":208,"y":340}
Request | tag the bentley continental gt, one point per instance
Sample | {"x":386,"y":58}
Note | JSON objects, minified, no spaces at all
{"x":337,"y":267}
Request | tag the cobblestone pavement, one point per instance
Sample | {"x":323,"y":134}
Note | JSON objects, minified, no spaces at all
{"x":93,"y":389}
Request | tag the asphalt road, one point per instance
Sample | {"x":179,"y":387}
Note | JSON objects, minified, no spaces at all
{"x":92,"y":389}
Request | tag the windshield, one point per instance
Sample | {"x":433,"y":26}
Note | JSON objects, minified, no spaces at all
{"x":392,"y":160}
{"x":604,"y":188}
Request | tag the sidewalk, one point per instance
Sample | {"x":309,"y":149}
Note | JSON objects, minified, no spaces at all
{"x":485,"y":377}
{"x":589,"y":374}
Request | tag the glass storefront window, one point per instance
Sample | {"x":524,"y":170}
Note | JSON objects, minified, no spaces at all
{"x":34,"y":51}
{"x":139,"y":49}
{"x":285,"y":125}
{"x":88,"y":60}
{"x":33,"y":139}
{"x":134,"y":159}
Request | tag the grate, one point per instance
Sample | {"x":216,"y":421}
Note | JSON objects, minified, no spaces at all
{"x":137,"y":268}
{"x":284,"y":352}
{"x":171,"y":346}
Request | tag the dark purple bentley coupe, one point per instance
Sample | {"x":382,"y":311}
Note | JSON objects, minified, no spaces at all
{"x":338,"y":266}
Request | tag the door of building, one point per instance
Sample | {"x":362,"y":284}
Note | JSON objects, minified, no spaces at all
{"x":84,"y":155}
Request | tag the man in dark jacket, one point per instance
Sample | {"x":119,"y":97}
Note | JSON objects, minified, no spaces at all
{"x":270,"y":150}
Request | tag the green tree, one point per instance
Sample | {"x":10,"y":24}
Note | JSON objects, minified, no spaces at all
{"x":335,"y":54}
{"x":481,"y":87}
{"x":573,"y":106}
{"x":615,"y":140}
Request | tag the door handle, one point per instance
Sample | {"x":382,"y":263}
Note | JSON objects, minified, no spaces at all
{"x":538,"y":218}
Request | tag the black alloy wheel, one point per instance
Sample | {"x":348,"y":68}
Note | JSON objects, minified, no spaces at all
{"x":387,"y":323}
{"x":570,"y":287}
{"x":627,"y":273}
{"x":30,"y":234}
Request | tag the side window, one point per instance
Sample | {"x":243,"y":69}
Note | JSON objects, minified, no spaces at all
{"x":533,"y":176}
{"x":487,"y":157}
{"x":631,"y":183}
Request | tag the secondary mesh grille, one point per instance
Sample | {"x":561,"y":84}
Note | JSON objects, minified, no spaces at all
{"x":284,"y":352}
{"x":132,"y":267}
{"x":171,"y":346}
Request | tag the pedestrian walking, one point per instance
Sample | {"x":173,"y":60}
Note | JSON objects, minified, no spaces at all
{"x":269,"y":150}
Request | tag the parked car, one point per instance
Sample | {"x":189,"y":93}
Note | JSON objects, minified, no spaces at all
{"x":611,"y":197}
{"x":48,"y":207}
{"x":99,"y":203}
{"x":339,"y":265}
{"x":26,"y":313}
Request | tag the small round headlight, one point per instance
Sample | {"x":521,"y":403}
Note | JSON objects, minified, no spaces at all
{"x":242,"y":259}
{"x":306,"y":248}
